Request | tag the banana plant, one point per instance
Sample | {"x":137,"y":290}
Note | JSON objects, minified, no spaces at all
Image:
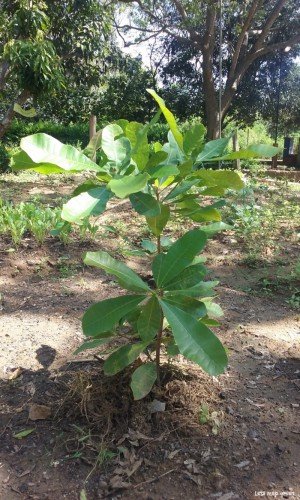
{"x":160,"y":180}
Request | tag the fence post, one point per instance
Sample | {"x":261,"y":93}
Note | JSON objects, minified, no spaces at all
{"x":275,"y":158}
{"x":93,"y":125}
{"x":235,"y":144}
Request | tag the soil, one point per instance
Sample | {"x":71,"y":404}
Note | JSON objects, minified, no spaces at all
{"x":232,"y":437}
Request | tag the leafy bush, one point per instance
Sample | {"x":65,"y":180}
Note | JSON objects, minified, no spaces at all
{"x":176,"y":307}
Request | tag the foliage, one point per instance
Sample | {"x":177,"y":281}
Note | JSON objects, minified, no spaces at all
{"x":178,"y":308}
{"x":259,"y":223}
{"x":4,"y":158}
{"x":32,"y":218}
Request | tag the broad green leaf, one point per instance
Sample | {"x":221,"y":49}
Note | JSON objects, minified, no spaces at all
{"x":126,"y":276}
{"x":128,"y":185}
{"x":157,"y":223}
{"x":213,"y":309}
{"x":123,"y":357}
{"x":116,"y":148}
{"x":195,"y":341}
{"x":193,"y":138}
{"x":85,"y":186}
{"x":156,"y":158}
{"x":160,"y":171}
{"x":27,"y":113}
{"x":24,"y":433}
{"x":203,"y":289}
{"x":188,"y":278}
{"x":139,"y":143}
{"x":150,"y":319}
{"x":48,"y":155}
{"x":142,"y":380}
{"x":185,"y":167}
{"x":179,"y":256}
{"x":103,"y":316}
{"x":92,"y":202}
{"x":203,"y":214}
{"x":221,"y":178}
{"x":169,"y":118}
{"x":94,"y":145}
{"x":92,"y":344}
{"x":213,"y":191}
{"x":183,"y":187}
{"x":209,"y":322}
{"x":253,"y":151}
{"x":21,"y":161}
{"x":149,"y":246}
{"x":212,"y":149}
{"x":145,"y":204}
{"x":214,"y":228}
{"x":187,"y":304}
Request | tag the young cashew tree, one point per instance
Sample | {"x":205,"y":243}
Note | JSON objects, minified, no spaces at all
{"x":160,"y":181}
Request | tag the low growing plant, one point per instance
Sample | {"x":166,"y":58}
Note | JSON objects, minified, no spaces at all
{"x":175,"y":308}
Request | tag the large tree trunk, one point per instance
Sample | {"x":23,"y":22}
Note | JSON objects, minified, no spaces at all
{"x":10,"y":113}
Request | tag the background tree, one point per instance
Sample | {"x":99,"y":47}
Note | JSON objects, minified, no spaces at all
{"x":40,"y":41}
{"x":251,"y":29}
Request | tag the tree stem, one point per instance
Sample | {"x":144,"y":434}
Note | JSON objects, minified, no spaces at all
{"x":159,"y":334}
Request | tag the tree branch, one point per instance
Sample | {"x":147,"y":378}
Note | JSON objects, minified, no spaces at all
{"x":253,"y":9}
{"x":268,"y":24}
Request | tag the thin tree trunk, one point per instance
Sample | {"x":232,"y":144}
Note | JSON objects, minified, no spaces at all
{"x":10,"y":113}
{"x":4,"y":70}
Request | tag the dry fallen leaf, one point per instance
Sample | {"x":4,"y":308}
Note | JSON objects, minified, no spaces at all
{"x":16,"y":373}
{"x":117,"y":483}
{"x":39,"y":412}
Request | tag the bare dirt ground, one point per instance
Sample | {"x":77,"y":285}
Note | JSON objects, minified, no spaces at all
{"x":98,"y":442}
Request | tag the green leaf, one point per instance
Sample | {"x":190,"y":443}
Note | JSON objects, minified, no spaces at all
{"x":22,"y":434}
{"x":188,"y":278}
{"x":183,"y":187}
{"x":156,"y":158}
{"x":157,"y":223}
{"x":179,"y":256}
{"x":149,"y":246}
{"x":195,"y":341}
{"x":253,"y":151}
{"x":220,"y":178}
{"x":142,"y":380}
{"x":145,"y":204}
{"x":193,"y":138}
{"x":126,"y":276}
{"x":214,"y":228}
{"x":92,"y":202}
{"x":116,"y":148}
{"x":169,"y":118}
{"x":94,"y":145}
{"x":44,"y":154}
{"x":160,"y":171}
{"x":203,"y":214}
{"x":187,"y":304}
{"x":85,"y":186}
{"x":150,"y":319}
{"x":27,"y":113}
{"x":212,"y":149}
{"x":139,"y":143}
{"x":103,"y":316}
{"x":123,"y":357}
{"x":128,"y":185}
{"x":92,"y":344}
{"x":213,"y":309}
{"x":203,"y":289}
{"x":172,"y":349}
